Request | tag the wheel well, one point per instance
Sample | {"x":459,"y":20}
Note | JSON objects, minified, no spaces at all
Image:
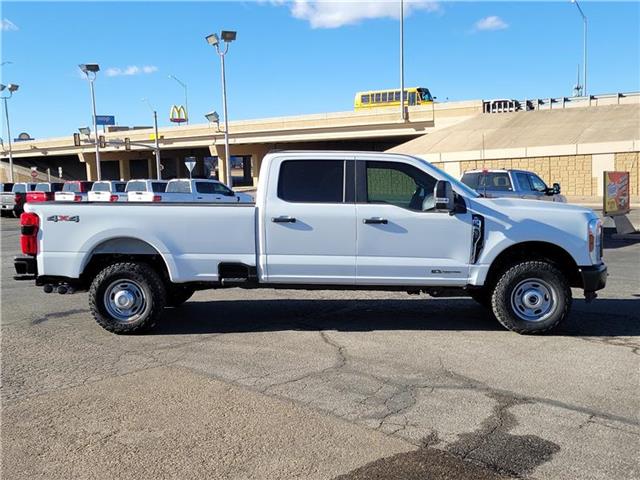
{"x":535,"y":251}
{"x":123,"y":250}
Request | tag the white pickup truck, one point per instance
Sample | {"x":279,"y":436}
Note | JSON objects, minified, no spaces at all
{"x":322,"y":220}
{"x":107,"y":191}
{"x":202,"y":190}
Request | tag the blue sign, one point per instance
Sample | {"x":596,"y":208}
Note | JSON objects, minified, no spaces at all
{"x":105,"y":120}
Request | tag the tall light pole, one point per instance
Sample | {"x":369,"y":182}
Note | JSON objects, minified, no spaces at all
{"x":12,"y":87}
{"x":227,"y":38}
{"x":403,"y":114}
{"x":186,"y":97}
{"x":155,"y":129}
{"x":584,"y":47}
{"x":91,"y":70}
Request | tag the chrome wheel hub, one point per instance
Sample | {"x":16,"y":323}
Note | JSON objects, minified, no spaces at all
{"x":533,"y":300}
{"x":125,"y":301}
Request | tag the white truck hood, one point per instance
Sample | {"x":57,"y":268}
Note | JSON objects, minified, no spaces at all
{"x":534,"y":208}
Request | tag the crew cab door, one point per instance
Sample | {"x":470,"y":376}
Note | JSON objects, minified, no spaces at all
{"x":401,"y":239}
{"x":309,"y":222}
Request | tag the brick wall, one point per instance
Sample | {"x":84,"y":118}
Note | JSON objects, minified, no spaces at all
{"x":628,"y":162}
{"x":572,"y":172}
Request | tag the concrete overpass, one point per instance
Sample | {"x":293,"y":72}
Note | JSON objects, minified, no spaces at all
{"x":377,"y":129}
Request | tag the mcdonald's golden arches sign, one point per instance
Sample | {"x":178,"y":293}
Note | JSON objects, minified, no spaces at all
{"x":178,"y":114}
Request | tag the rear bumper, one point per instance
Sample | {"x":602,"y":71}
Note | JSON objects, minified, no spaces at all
{"x":594,"y":277}
{"x":26,"y":268}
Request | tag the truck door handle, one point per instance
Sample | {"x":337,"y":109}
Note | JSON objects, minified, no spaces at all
{"x":283,"y":219}
{"x":375,"y":221}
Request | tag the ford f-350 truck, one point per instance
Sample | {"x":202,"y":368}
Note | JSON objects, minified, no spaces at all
{"x":322,"y":220}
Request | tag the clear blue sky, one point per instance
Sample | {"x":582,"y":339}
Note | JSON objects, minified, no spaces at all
{"x":301,"y":57}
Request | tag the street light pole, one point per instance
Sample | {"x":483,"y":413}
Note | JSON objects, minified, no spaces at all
{"x":403,"y":115}
{"x":90,"y":70}
{"x":12,"y":87}
{"x":584,"y":46}
{"x":227,"y":37}
{"x":157,"y":139}
{"x":186,"y":97}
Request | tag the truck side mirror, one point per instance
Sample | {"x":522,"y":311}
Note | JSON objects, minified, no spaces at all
{"x":443,"y":194}
{"x":556,"y":188}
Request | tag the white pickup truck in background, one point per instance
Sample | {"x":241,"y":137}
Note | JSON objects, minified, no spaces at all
{"x":146,"y":190}
{"x":322,"y":220}
{"x":202,"y":190}
{"x":107,"y":191}
{"x":74,"y":191}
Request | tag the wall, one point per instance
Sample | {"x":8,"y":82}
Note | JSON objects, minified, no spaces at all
{"x":572,"y":172}
{"x":628,"y":162}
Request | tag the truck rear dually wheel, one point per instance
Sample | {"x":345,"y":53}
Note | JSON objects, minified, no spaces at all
{"x":531,"y":297}
{"x":127,"y":297}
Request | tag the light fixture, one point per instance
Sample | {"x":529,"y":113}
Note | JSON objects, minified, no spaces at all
{"x":212,"y":117}
{"x":13,"y":87}
{"x":228,"y":35}
{"x":212,"y":39}
{"x":89,"y":67}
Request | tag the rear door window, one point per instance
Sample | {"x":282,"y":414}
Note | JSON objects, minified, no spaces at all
{"x":212,"y":188}
{"x":136,"y":187}
{"x":311,"y":181}
{"x":101,"y":187}
{"x":523,"y":181}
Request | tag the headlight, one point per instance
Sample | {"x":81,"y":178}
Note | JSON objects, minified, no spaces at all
{"x":595,"y":240}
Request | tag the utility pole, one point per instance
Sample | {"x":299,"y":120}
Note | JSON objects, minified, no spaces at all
{"x":403,"y":113}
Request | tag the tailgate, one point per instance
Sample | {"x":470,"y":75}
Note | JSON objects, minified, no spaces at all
{"x":99,"y":196}
{"x":140,"y":196}
{"x":8,"y":199}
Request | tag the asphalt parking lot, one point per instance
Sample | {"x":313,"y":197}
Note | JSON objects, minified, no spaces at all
{"x":317,"y":385}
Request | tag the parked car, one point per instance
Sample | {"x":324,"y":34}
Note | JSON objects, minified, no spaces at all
{"x":332,"y":220}
{"x":146,"y":190}
{"x":202,"y":190}
{"x":13,"y":201}
{"x":511,"y":183}
{"x":74,"y":191}
{"x":107,"y":191}
{"x":44,"y":192}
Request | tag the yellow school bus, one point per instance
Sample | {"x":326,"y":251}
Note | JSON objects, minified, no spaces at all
{"x":391,"y":97}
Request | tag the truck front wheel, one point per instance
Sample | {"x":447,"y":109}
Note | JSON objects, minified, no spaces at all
{"x":531,"y":297}
{"x":127,"y":297}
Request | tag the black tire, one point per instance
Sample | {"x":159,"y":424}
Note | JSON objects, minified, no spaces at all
{"x":177,"y":295}
{"x":137,"y":282}
{"x":17,"y":213}
{"x":531,"y":297}
{"x":482,"y":296}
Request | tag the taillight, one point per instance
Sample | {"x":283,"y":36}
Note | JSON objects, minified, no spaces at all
{"x":157,"y":198}
{"x":113,"y":198}
{"x":77,"y":198}
{"x":29,"y":223}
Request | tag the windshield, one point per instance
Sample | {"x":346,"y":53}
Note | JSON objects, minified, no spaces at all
{"x":71,"y":187}
{"x":42,"y":187}
{"x":425,"y":95}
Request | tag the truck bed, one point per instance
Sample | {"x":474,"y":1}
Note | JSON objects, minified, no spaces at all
{"x":191,"y":238}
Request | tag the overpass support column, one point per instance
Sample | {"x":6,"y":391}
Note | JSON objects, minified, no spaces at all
{"x":218,"y":151}
{"x":256,"y":161}
{"x":125,"y":172}
{"x":89,"y":159}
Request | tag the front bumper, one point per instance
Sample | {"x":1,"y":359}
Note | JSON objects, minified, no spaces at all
{"x":26,"y":268}
{"x":594,"y":277}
